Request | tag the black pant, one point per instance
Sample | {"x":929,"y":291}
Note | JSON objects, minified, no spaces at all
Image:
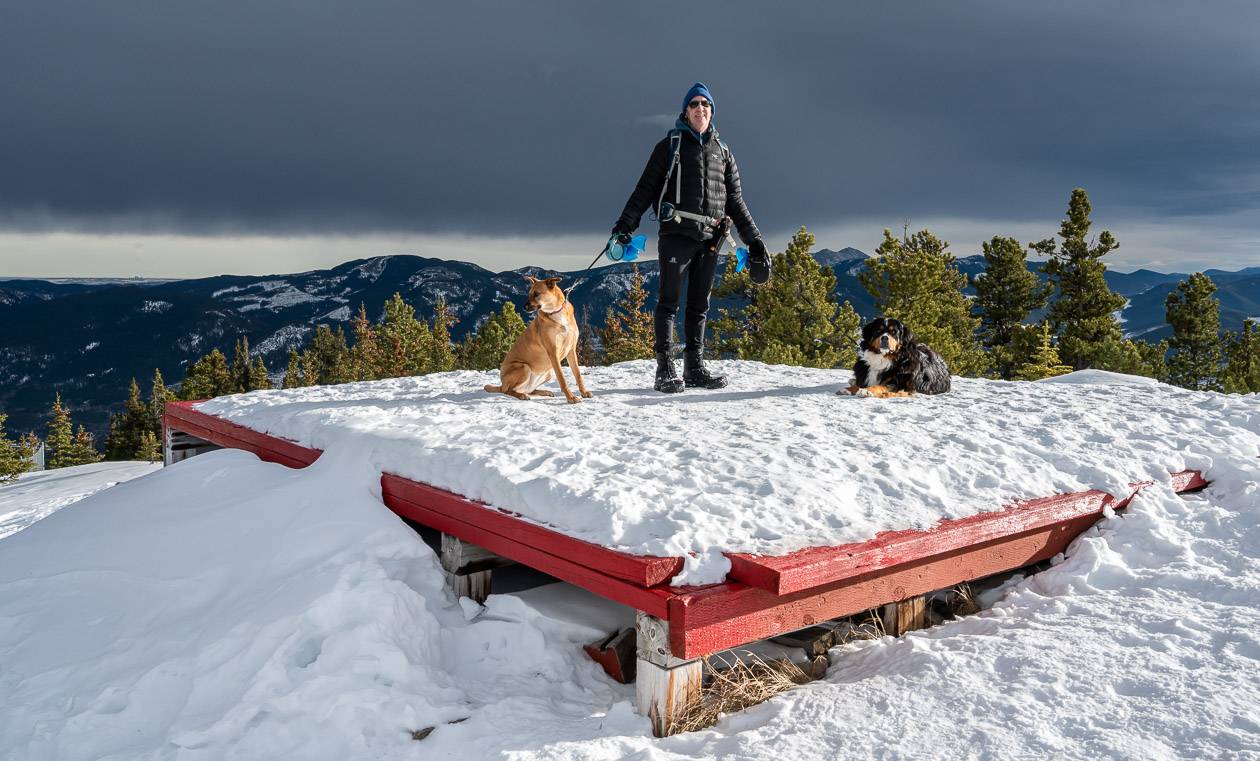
{"x":681,"y":257}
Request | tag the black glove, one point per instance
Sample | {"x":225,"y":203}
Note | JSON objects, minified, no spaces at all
{"x":621,"y":229}
{"x":758,"y":262}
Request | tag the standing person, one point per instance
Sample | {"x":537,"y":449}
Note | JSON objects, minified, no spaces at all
{"x":692,"y":178}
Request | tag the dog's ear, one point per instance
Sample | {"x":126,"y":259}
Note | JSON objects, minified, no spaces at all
{"x":531,"y":279}
{"x":553,"y":280}
{"x":906,"y":337}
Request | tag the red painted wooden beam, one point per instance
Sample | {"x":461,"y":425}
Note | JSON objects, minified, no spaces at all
{"x":653,"y":601}
{"x":182,"y":417}
{"x":646,"y":571}
{"x":710,"y":619}
{"x":818,"y":566}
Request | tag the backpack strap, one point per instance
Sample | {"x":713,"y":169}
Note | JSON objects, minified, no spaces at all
{"x":675,"y":145}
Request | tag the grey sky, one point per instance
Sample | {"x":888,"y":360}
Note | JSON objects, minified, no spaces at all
{"x":162,"y":138}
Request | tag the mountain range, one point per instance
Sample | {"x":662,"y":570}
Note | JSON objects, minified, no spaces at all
{"x":88,"y":338}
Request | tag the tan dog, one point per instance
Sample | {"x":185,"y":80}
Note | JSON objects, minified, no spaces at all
{"x":550,"y":337}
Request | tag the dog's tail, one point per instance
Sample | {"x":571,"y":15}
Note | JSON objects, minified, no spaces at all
{"x":494,"y":389}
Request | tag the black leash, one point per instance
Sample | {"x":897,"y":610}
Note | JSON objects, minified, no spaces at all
{"x":581,"y":278}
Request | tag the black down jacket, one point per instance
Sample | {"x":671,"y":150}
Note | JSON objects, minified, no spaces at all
{"x":709,"y":185}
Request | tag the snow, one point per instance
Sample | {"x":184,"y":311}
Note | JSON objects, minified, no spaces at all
{"x":158,"y":307}
{"x":225,"y":608}
{"x":272,"y":295}
{"x":1101,"y":377}
{"x":289,"y":336}
{"x":36,"y":495}
{"x":340,"y":314}
{"x":371,"y":269}
{"x":774,"y":462}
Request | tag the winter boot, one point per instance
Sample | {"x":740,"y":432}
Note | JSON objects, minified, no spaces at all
{"x":667,"y":380}
{"x":696,"y":375}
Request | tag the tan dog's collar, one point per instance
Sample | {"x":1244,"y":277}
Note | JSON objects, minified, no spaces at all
{"x":557,"y":309}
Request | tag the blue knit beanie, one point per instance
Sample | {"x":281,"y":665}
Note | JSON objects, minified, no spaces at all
{"x":699,"y":89}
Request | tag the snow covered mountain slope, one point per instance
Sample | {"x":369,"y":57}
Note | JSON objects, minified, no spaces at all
{"x":773,"y":463}
{"x":226,"y":608}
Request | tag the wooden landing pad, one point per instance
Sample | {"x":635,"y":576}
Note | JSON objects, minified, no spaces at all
{"x":765,"y":595}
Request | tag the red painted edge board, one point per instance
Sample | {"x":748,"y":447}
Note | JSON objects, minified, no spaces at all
{"x":224,"y":432}
{"x":230,"y":441}
{"x":818,"y":566}
{"x":653,"y":601}
{"x":709,"y":619}
{"x":643,"y":570}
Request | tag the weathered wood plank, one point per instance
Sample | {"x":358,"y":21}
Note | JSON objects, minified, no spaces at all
{"x":905,"y":615}
{"x":666,"y":685}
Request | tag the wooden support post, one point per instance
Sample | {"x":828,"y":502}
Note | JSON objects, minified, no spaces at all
{"x":468,"y":568}
{"x":905,"y":615}
{"x":666,"y":685}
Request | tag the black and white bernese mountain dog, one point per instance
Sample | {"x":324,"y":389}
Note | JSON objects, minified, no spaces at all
{"x":892,"y":363}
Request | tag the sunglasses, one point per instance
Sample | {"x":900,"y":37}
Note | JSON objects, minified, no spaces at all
{"x":699,"y":104}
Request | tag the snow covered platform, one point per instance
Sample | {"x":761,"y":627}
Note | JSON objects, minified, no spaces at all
{"x":769,"y":505}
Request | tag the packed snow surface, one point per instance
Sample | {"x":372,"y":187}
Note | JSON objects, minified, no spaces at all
{"x":225,"y":608}
{"x":42,"y":493}
{"x":772,"y":463}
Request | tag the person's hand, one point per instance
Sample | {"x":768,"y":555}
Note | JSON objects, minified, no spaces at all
{"x":758,"y":262}
{"x":621,"y":232}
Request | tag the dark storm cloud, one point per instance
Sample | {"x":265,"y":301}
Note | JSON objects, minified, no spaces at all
{"x":536,"y":118}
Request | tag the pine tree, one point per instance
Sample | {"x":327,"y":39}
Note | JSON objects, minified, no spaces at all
{"x":792,"y":319}
{"x":628,"y":332}
{"x":486,"y":348}
{"x":83,"y":448}
{"x":60,"y":438}
{"x":1195,"y":316}
{"x":732,"y":329}
{"x":1150,"y":359}
{"x":587,"y":351}
{"x":365,"y":360}
{"x":914,"y":280}
{"x":1006,"y":292}
{"x":406,"y":343}
{"x":241,"y":366}
{"x":159,"y":395}
{"x":327,"y":359}
{"x":150,"y":448}
{"x":1044,"y":362}
{"x":1242,"y":357}
{"x":207,"y":378}
{"x":293,"y":372}
{"x":1083,"y":314}
{"x":441,"y":353}
{"x":259,"y":379}
{"x":127,"y":428}
{"x":15,"y":456}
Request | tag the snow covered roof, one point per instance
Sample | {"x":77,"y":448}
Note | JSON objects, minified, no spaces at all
{"x":773,"y":463}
